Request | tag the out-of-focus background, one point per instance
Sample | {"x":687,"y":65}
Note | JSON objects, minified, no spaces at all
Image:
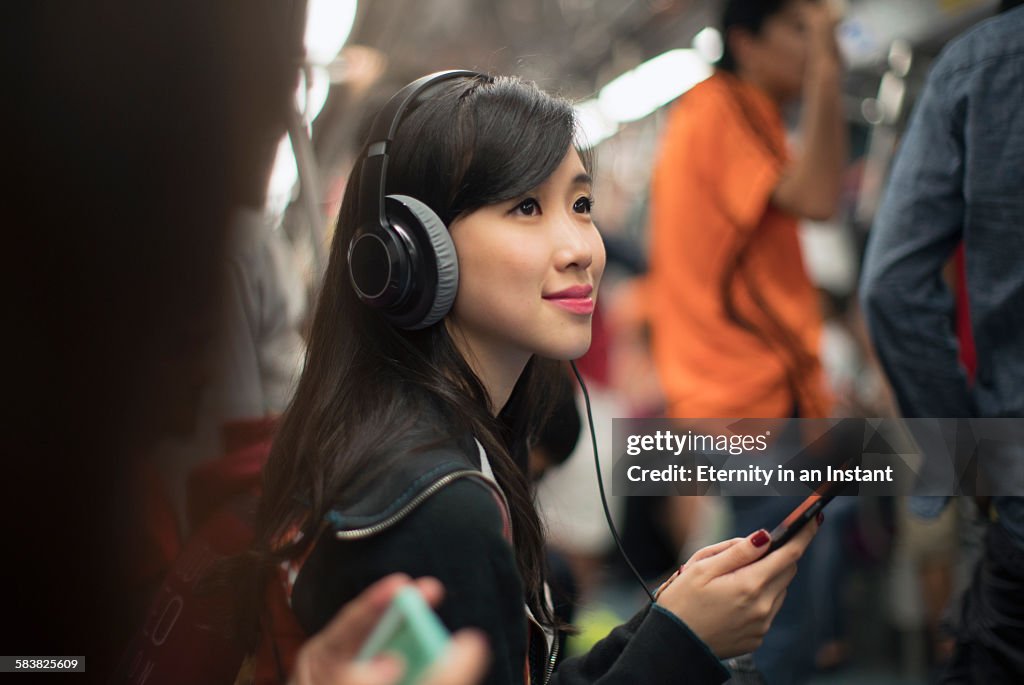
{"x":888,"y":603}
{"x":623,"y":63}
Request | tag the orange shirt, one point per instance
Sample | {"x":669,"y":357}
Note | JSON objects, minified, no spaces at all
{"x":735,"y":319}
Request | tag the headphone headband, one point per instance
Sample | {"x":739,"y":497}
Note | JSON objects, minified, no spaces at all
{"x":373,"y":179}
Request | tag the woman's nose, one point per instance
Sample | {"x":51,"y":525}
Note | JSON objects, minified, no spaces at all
{"x":574,"y":250}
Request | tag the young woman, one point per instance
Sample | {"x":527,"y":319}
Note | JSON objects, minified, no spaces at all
{"x":404,"y":448}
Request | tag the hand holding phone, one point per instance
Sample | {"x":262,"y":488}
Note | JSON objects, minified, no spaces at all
{"x":729,"y":593}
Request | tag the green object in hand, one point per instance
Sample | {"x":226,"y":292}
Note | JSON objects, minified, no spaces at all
{"x":411,"y":631}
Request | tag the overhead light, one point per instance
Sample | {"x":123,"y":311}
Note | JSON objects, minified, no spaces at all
{"x":328,"y":23}
{"x":594,"y":126}
{"x":283,"y":176}
{"x":651,"y":85}
{"x":311,"y":96}
{"x":708,"y":44}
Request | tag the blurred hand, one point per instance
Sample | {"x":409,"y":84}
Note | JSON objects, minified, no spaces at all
{"x":463,"y":664}
{"x":728,"y":594}
{"x":328,"y":658}
{"x":821,"y":20}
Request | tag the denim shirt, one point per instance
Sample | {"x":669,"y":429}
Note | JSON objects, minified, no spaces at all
{"x":959,"y":176}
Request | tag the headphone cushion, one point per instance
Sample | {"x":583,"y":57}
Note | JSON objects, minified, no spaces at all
{"x":444,"y":255}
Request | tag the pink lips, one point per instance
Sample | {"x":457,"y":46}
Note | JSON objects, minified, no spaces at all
{"x":575,"y":299}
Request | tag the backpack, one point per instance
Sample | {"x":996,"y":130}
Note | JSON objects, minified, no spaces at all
{"x":186,"y":636}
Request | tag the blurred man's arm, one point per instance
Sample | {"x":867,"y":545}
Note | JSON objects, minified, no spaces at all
{"x":908,"y":305}
{"x":810,"y":185}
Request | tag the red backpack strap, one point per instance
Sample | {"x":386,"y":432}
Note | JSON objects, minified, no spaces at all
{"x":186,"y":637}
{"x":281,"y":636}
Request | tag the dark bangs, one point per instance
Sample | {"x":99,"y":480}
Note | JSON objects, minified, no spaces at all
{"x":511,"y":136}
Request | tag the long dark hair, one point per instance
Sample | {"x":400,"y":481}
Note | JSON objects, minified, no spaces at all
{"x":467,"y":143}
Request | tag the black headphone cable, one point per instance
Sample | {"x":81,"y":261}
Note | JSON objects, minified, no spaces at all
{"x":600,"y":486}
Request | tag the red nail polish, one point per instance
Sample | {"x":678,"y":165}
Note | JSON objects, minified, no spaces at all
{"x":760,"y":538}
{"x":821,"y":517}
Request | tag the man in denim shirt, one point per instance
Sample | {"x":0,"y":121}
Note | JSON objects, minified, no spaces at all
{"x":959,"y":177}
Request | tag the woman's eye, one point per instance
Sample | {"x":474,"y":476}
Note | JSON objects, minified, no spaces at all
{"x":583,"y":205}
{"x":528,"y":207}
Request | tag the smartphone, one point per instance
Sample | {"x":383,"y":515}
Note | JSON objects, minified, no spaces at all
{"x":799,"y":517}
{"x":410,"y":630}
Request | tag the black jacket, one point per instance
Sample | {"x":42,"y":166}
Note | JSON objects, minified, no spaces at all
{"x":438,"y":515}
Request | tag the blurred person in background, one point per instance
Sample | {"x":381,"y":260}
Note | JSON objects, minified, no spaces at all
{"x":265,"y":308}
{"x":738,"y":321}
{"x":737,"y":325}
{"x":137,"y":134}
{"x":957,"y":180}
{"x":260,"y":357}
{"x":139,"y":131}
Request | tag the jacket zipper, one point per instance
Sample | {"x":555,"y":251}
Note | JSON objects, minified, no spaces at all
{"x":552,"y":659}
{"x":549,"y":667}
{"x":368,"y":531}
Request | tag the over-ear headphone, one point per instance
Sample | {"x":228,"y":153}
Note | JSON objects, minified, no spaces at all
{"x":401,"y":259}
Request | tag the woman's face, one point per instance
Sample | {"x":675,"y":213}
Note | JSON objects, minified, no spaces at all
{"x":529,"y":270}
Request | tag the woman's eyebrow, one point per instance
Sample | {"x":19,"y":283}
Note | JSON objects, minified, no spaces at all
{"x":583,"y":180}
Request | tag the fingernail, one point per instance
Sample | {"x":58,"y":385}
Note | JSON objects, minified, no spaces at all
{"x":821,"y":517}
{"x":760,"y":538}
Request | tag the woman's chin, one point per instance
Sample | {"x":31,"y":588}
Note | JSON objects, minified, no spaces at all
{"x":567,"y":350}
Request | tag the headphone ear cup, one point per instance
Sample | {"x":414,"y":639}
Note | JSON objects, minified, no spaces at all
{"x":439,"y":256}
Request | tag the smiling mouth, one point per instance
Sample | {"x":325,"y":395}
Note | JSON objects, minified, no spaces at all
{"x":576,"y":299}
{"x":576,"y":305}
{"x":575,"y":292}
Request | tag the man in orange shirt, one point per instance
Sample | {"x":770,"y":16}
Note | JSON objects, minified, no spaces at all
{"x":737,"y":323}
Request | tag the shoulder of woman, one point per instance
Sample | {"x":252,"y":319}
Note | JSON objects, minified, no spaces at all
{"x":451,"y":536}
{"x":467,"y":509}
{"x":392,"y":493}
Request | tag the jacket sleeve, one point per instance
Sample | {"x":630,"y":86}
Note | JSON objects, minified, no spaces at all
{"x":653,"y":647}
{"x":455,"y":536}
{"x":908,"y":306}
